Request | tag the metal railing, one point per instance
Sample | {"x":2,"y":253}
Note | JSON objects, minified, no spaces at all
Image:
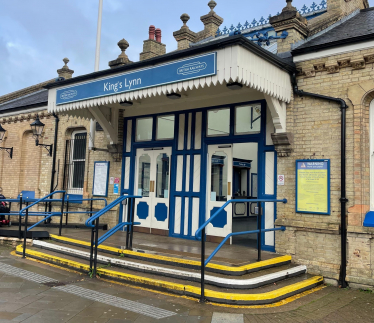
{"x":93,"y":223}
{"x":46,"y":215}
{"x":82,"y":212}
{"x":200,"y":234}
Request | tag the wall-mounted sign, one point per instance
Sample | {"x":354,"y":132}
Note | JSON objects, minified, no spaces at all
{"x":100,"y":179}
{"x":187,"y":69}
{"x":116,"y":180}
{"x":116,"y":189}
{"x":111,"y":182}
{"x":313,"y":186}
{"x":280,"y":180}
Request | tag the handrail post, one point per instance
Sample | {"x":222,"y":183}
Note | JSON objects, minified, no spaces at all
{"x":132,"y":220}
{"x":128,"y":220}
{"x":10,"y":210}
{"x":92,"y":244}
{"x":259,"y":234}
{"x":20,"y":217}
{"x":62,"y":212}
{"x":96,"y":246}
{"x":67,"y":210}
{"x":25,"y":234}
{"x":202,"y":296}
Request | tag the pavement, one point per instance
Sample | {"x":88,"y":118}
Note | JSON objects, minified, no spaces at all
{"x":31,"y":291}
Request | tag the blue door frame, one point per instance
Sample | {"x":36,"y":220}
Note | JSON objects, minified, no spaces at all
{"x":259,"y":138}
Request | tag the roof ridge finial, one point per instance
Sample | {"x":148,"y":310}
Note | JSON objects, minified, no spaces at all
{"x":212,"y":4}
{"x":123,"y":45}
{"x":185,"y":17}
{"x":289,"y":6}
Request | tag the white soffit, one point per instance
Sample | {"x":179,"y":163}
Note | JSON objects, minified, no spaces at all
{"x":234,"y":64}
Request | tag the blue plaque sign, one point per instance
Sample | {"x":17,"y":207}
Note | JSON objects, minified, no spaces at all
{"x":191,"y":68}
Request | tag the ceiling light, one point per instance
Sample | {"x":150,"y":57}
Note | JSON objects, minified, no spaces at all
{"x":174,"y":96}
{"x":234,"y":86}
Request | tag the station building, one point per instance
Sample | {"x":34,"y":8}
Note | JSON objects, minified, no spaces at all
{"x":223,"y":117}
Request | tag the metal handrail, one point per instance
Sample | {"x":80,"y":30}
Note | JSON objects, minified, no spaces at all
{"x":93,"y":223}
{"x":107,"y":208}
{"x":238,"y":234}
{"x":203,"y":226}
{"x":40,"y":200}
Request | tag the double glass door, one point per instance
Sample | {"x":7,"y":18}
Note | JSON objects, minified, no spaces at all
{"x":153,"y":184}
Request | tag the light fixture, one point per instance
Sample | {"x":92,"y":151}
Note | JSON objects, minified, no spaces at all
{"x":2,"y":135}
{"x":126,"y":103}
{"x":37,"y":128}
{"x":173,"y":96}
{"x":234,"y":86}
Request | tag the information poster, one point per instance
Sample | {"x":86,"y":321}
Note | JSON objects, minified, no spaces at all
{"x":313,"y":186}
{"x":101,"y":179}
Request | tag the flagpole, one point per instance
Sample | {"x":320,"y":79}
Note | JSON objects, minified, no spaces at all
{"x":97,"y":66}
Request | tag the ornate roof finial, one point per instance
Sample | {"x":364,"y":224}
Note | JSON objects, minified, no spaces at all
{"x":212,"y":4}
{"x":289,"y":6}
{"x":185,"y":17}
{"x":65,"y":71}
{"x":123,"y":45}
{"x":66,"y":61}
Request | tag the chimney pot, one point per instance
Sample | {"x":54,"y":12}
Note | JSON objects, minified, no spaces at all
{"x":152,"y":32}
{"x":158,"y":35}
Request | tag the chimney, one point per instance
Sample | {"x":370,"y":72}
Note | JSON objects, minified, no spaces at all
{"x":184,"y":36}
{"x":65,"y":71}
{"x":344,"y":7}
{"x":211,"y":21}
{"x":152,"y":47}
{"x":291,"y":21}
{"x":122,"y":59}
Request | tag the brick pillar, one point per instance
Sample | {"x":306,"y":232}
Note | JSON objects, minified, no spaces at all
{"x":122,"y":59}
{"x":152,"y":47}
{"x":184,"y":36}
{"x":65,"y":71}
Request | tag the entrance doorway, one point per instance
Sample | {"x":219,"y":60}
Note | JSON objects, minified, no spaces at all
{"x":152,"y":182}
{"x":219,"y":185}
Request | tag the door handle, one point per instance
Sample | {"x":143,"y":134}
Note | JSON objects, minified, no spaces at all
{"x":152,"y":186}
{"x":229,"y":188}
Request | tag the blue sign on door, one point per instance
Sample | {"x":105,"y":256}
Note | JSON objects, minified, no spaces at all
{"x":192,"y":68}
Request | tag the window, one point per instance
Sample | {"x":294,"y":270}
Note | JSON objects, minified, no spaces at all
{"x":75,"y":161}
{"x":144,"y":127}
{"x":218,"y":122}
{"x":247,"y":119}
{"x":165,"y":127}
{"x":144,"y":175}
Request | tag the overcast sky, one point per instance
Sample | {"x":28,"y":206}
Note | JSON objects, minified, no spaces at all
{"x":35,"y":35}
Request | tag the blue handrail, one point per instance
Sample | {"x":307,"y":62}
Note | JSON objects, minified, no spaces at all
{"x":198,"y":231}
{"x":89,"y":222}
{"x":238,"y":234}
{"x":81,"y":200}
{"x":40,"y":200}
{"x":112,"y":231}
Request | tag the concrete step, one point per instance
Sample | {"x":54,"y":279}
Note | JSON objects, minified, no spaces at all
{"x":174,"y":260}
{"x":247,"y":281}
{"x":259,"y":296}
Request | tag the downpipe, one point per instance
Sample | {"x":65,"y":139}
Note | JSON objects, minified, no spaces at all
{"x":52,"y":188}
{"x":343,"y":187}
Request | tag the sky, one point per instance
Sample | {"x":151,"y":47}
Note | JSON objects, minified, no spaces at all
{"x":35,"y":35}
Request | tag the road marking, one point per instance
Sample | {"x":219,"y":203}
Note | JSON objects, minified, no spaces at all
{"x":136,"y":307}
{"x":125,"y":304}
{"x":227,"y":318}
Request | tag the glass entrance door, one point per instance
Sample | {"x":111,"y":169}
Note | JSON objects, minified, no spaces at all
{"x":152,"y":183}
{"x":219,"y":186}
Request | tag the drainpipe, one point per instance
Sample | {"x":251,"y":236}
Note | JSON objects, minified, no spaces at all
{"x":57,"y":120}
{"x":343,"y":187}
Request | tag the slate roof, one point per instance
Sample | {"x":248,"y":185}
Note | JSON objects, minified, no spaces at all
{"x":356,"y":29}
{"x":39,"y":98}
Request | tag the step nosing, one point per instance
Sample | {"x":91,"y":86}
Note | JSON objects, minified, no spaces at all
{"x":220,"y":297}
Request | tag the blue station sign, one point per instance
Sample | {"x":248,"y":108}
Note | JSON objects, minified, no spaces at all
{"x":187,"y":69}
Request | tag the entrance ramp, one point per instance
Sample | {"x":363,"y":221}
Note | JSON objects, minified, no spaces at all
{"x":228,"y":280}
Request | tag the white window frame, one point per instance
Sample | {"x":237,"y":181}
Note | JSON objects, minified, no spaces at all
{"x":71,"y":190}
{"x":371,"y":155}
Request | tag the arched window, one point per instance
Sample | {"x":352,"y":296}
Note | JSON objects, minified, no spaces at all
{"x":372,"y":156}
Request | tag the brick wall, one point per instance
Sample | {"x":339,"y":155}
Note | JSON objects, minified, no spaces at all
{"x":314,"y":239}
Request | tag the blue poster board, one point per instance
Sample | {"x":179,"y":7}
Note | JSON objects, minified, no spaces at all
{"x":183,"y":70}
{"x":313,"y":186}
{"x":100,"y":178}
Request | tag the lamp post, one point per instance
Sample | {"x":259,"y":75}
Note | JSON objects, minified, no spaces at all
{"x":37,"y":128}
{"x":2,"y":135}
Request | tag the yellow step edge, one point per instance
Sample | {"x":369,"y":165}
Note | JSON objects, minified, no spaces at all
{"x":264,"y":263}
{"x":268,"y":296}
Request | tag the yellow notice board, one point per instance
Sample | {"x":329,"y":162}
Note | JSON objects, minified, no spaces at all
{"x":313,"y":186}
